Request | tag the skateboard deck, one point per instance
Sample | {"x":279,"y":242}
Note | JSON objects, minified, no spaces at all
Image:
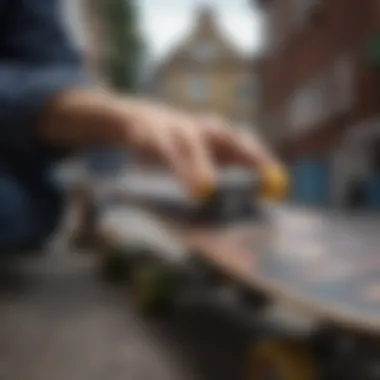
{"x":323,"y":264}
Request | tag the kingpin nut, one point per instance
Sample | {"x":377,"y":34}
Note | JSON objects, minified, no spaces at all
{"x":204,"y":190}
{"x":274,"y":183}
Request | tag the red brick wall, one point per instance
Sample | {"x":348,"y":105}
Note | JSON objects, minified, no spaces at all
{"x":340,"y":26}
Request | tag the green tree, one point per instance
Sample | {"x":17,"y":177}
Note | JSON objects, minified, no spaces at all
{"x":126,"y":47}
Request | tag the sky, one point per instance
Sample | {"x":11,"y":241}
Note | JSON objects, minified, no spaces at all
{"x":165,"y":22}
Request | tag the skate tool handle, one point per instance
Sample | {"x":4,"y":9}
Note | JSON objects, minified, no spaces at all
{"x":274,"y":183}
{"x":271,"y":184}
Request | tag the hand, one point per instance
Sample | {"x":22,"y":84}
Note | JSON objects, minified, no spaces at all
{"x":193,"y":146}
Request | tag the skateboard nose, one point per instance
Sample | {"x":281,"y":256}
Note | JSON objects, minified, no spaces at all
{"x":274,"y":183}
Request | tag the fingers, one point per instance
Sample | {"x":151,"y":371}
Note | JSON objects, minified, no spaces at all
{"x":190,"y":146}
{"x":167,"y":152}
{"x":177,"y":144}
{"x":200,"y":168}
{"x":245,"y":149}
{"x":233,"y":146}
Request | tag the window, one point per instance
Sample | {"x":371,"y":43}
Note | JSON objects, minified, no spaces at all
{"x":309,"y":105}
{"x":197,"y":88}
{"x":205,"y":51}
{"x":246,"y":91}
{"x":343,"y":74}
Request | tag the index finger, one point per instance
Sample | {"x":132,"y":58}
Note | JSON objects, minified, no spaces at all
{"x":200,"y":165}
{"x":248,"y":150}
{"x":245,"y":148}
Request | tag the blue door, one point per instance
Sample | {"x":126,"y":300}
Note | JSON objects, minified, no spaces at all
{"x":310,"y":182}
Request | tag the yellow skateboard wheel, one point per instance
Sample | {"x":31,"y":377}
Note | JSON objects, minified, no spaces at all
{"x":276,"y":359}
{"x":153,"y":288}
{"x":275,"y":183}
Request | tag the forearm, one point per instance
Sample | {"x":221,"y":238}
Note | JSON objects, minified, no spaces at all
{"x":79,"y":118}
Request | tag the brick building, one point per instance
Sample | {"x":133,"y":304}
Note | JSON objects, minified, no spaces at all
{"x":321,"y":96}
{"x":207,"y":72}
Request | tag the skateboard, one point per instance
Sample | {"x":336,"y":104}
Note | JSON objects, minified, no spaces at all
{"x":311,"y":279}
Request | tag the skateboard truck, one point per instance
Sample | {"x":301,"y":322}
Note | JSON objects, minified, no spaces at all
{"x":270,"y":183}
{"x":274,"y":183}
{"x":232,"y":198}
{"x":235,"y":197}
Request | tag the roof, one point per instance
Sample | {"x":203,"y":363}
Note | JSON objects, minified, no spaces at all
{"x":259,"y":3}
{"x":206,"y":23}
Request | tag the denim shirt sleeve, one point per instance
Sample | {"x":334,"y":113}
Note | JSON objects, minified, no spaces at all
{"x":37,"y":61}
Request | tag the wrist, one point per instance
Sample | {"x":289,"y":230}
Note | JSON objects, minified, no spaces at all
{"x":80,"y":117}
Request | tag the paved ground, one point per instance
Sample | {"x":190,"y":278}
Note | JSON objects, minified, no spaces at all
{"x":59,"y":321}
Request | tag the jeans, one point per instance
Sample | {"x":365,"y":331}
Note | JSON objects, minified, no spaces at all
{"x":26,"y":220}
{"x":103,"y":165}
{"x":103,"y":162}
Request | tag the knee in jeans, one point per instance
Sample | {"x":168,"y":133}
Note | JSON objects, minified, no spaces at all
{"x":13,"y":213}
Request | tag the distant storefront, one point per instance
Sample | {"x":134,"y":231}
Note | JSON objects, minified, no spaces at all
{"x":310,"y":181}
{"x":346,"y":176}
{"x":319,"y":85}
{"x":355,"y":168}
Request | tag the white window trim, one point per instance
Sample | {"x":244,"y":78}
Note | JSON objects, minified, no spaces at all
{"x":343,"y":80}
{"x":205,"y":51}
{"x":309,"y":106}
{"x":251,"y":95}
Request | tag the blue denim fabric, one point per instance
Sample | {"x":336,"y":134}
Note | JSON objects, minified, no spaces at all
{"x":105,"y":162}
{"x":36,"y":61}
{"x":26,"y":217}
